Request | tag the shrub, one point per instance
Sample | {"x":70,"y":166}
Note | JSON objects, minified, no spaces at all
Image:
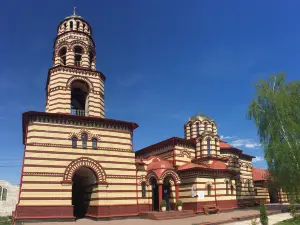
{"x":163,"y":203}
{"x":263,"y":215}
{"x":254,"y":222}
{"x":179,"y":203}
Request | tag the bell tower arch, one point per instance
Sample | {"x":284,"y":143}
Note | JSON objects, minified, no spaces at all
{"x":74,"y":86}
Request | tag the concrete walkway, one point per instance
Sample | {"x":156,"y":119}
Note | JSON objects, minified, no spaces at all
{"x":186,"y":221}
{"x":273,"y":219}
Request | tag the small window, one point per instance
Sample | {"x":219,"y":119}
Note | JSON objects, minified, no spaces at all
{"x":94,"y":143}
{"x":208,"y":190}
{"x":208,"y":146}
{"x":4,"y":194}
{"x":74,"y":142}
{"x":84,"y":27}
{"x":77,"y":25}
{"x":191,"y":131}
{"x":232,"y":189}
{"x":84,"y":140}
{"x":143,"y":190}
{"x":71,"y":25}
{"x":65,"y":26}
{"x":205,"y":126}
{"x":227,"y":187}
{"x":198,"y":131}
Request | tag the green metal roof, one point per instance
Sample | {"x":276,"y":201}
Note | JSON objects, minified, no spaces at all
{"x":200,"y":117}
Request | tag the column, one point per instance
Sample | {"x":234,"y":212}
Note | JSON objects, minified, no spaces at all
{"x":70,"y":57}
{"x":160,"y":192}
{"x":177,"y":192}
{"x":85,"y":61}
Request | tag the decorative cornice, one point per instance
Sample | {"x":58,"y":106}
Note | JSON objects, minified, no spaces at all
{"x":77,"y":71}
{"x":57,"y":118}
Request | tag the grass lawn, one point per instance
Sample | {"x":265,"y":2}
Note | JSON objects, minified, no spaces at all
{"x":290,"y":222}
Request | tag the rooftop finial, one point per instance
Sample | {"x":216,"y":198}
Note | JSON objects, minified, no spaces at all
{"x":74,"y":13}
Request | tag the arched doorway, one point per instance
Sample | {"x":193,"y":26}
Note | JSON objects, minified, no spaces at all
{"x":79,"y":98}
{"x":83,"y":181}
{"x":155,"y":195}
{"x":167,"y":192}
{"x":273,"y":193}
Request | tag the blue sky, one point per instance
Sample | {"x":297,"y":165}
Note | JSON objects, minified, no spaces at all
{"x":164,"y":61}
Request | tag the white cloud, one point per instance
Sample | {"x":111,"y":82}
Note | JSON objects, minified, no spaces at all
{"x":226,"y":137}
{"x":247,"y":143}
{"x":258,"y":159}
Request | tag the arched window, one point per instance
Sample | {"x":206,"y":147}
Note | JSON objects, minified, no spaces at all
{"x":191,"y":131}
{"x":205,"y":126}
{"x":77,"y":25}
{"x":74,"y":142}
{"x":94,"y":143}
{"x":63,"y":55}
{"x":84,"y":27}
{"x":197,"y":128}
{"x":209,"y":190}
{"x":78,"y":55}
{"x":71,"y":25}
{"x":4,"y":194}
{"x":65,"y":26}
{"x":208,"y":146}
{"x":232,"y":189}
{"x":91,"y":57}
{"x":143,"y":190}
{"x":84,"y":140}
{"x":79,"y":98}
{"x":227,"y":187}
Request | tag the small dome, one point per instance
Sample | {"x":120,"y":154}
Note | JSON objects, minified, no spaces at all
{"x":200,"y":117}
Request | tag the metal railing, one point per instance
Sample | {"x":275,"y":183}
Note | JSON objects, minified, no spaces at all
{"x":79,"y":112}
{"x":77,"y":63}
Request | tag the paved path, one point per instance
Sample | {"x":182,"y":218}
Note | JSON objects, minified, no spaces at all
{"x":186,"y":221}
{"x":273,"y":219}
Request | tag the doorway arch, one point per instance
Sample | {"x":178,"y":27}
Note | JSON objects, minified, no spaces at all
{"x":274,"y":195}
{"x":155,"y":194}
{"x":83,"y":182}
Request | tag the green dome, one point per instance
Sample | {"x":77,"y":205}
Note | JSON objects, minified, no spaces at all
{"x":200,"y":117}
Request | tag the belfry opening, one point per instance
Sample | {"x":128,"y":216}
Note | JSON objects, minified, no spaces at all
{"x":83,"y":182}
{"x":79,"y":98}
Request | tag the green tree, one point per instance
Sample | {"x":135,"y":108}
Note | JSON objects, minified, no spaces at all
{"x":276,"y":113}
{"x":263,"y":215}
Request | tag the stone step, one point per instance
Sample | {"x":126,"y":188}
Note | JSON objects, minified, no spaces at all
{"x":167,"y":215}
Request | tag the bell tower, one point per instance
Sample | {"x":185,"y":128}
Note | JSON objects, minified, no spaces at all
{"x":74,"y":86}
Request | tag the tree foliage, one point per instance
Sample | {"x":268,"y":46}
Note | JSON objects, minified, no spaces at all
{"x":276,"y":113}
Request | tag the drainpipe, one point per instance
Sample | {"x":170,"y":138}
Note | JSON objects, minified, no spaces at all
{"x":215,"y":191}
{"x":21,"y":178}
{"x":136,"y":176}
{"x":136,"y":182}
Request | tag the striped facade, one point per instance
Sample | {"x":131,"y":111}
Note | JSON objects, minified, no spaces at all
{"x":77,"y":163}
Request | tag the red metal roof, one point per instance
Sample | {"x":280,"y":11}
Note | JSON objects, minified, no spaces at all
{"x":191,"y":166}
{"x":224,"y":144}
{"x":218,"y":165}
{"x":259,"y":174}
{"x":157,"y":164}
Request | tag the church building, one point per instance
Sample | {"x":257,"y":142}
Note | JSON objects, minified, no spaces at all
{"x":77,"y":163}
